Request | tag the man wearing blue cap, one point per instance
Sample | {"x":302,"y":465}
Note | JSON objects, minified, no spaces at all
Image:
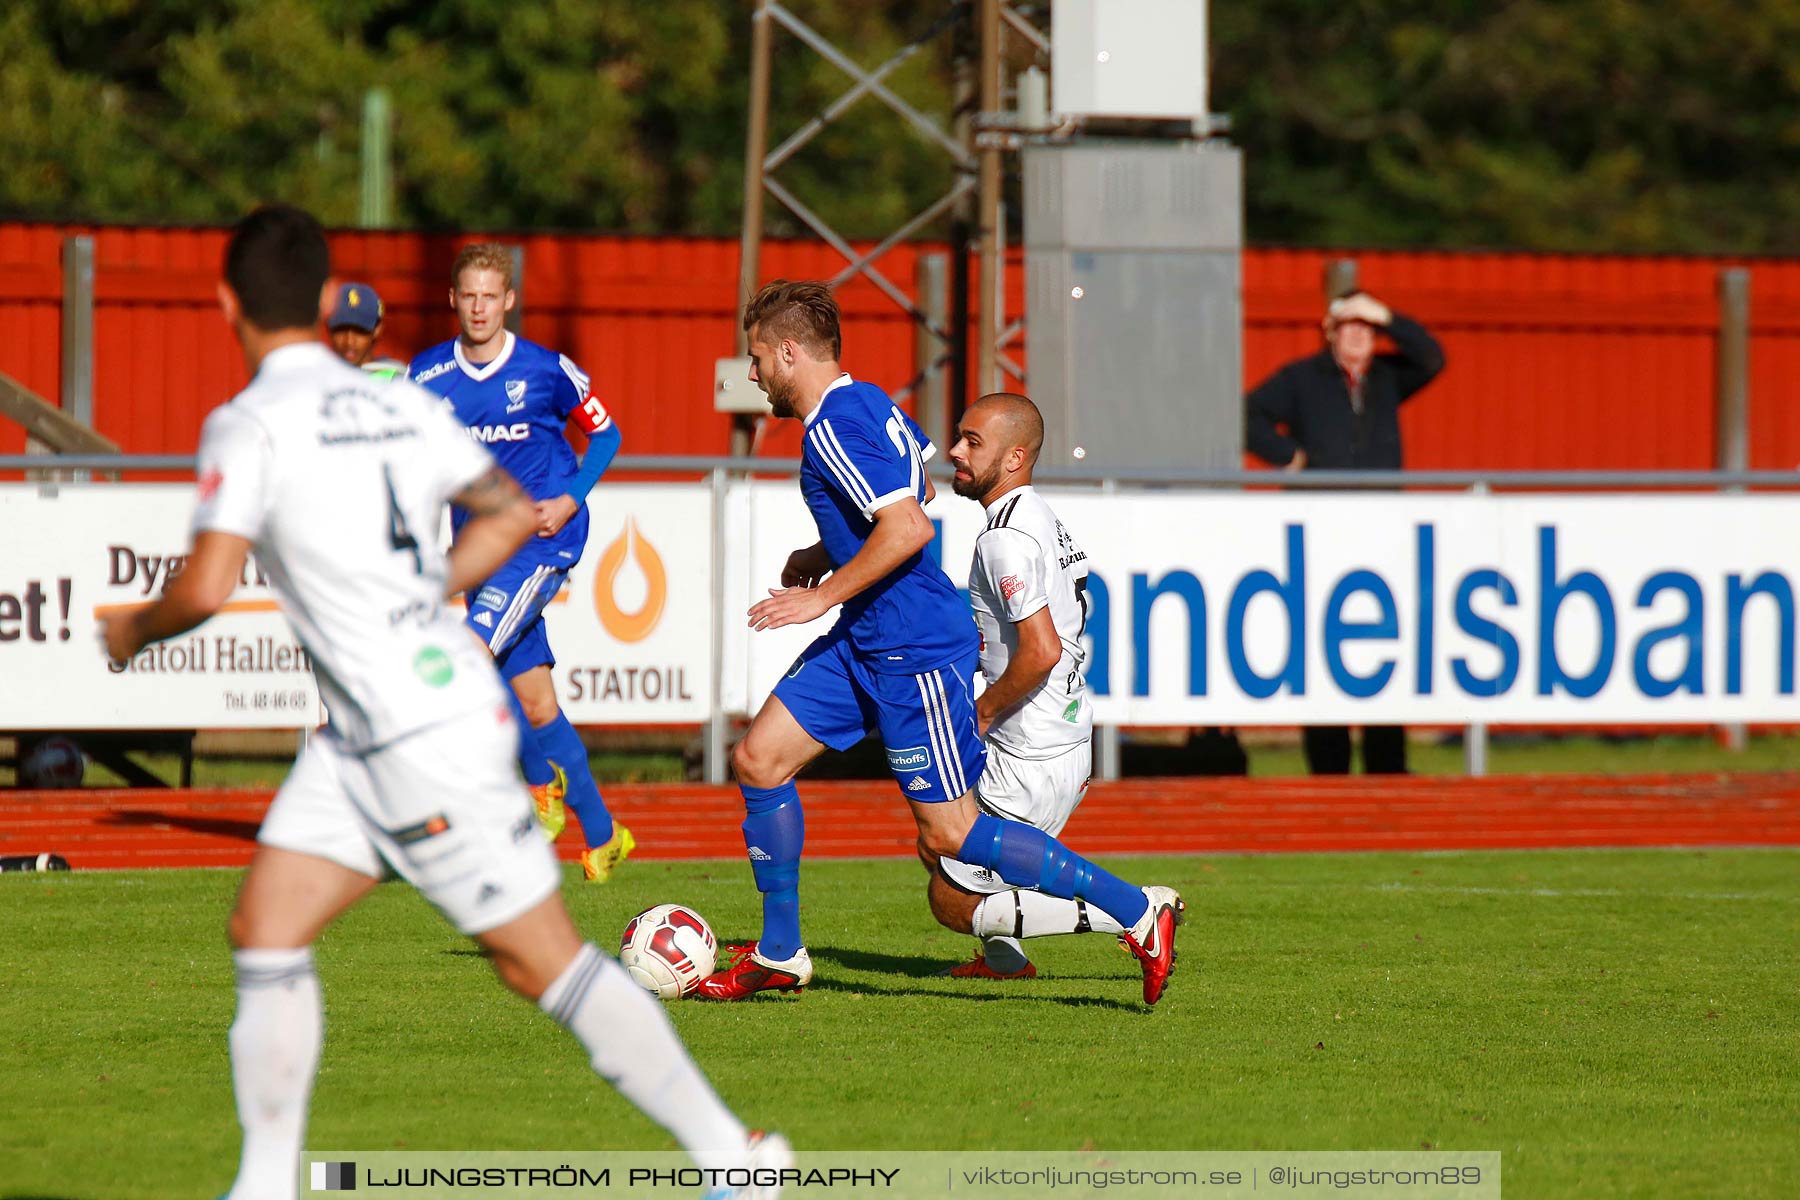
{"x":355,"y":327}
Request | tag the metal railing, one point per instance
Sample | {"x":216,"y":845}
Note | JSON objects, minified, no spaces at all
{"x":699,"y":465}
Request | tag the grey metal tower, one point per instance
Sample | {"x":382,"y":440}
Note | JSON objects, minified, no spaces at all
{"x":1133,"y":302}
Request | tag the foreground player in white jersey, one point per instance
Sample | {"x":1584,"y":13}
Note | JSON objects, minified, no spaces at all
{"x":1028,"y":588}
{"x":338,"y":482}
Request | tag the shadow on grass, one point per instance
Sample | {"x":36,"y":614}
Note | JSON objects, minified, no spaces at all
{"x":912,"y":966}
{"x":243,"y":831}
{"x":922,"y":968}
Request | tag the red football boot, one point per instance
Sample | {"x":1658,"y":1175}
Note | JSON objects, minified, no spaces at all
{"x":1152,"y":939}
{"x":978,"y":968}
{"x":750,"y":973}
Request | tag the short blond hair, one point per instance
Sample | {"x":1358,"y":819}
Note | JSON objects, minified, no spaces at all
{"x":482,"y":256}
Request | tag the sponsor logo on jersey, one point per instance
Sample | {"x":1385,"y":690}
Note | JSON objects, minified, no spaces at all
{"x":433,"y":372}
{"x":491,"y":597}
{"x":421,"y":612}
{"x":914,"y":758}
{"x":1010,"y":586}
{"x":209,"y":484}
{"x":1072,"y":713}
{"x":485,"y":619}
{"x":433,"y":666}
{"x":515,"y":395}
{"x":918,"y":784}
{"x":501,"y":433}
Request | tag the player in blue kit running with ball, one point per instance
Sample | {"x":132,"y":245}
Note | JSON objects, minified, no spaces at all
{"x":900,"y":660}
{"x":516,"y":397}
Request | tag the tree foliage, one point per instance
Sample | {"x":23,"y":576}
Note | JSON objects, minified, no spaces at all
{"x":1555,"y":124}
{"x":509,"y":113}
{"x":1567,"y":124}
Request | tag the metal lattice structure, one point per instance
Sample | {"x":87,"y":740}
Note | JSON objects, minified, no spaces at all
{"x":972,"y":198}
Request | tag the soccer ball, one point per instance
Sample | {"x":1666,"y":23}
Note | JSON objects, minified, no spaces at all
{"x":53,"y":763}
{"x":668,"y":950}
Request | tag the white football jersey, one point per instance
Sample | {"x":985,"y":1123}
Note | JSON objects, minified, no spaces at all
{"x":1024,"y":561}
{"x":340,"y":480}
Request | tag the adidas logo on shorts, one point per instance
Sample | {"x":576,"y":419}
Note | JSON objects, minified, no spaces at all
{"x":483,"y":618}
{"x":918,"y":784}
{"x":758,"y":854}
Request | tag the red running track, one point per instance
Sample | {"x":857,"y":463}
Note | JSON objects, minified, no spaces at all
{"x":216,"y":827}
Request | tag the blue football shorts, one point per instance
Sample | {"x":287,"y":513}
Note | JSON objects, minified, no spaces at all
{"x":926,"y":721}
{"x":507,"y":612}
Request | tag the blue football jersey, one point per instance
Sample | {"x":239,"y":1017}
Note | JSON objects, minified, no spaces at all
{"x":517,"y":406}
{"x":862,"y":453}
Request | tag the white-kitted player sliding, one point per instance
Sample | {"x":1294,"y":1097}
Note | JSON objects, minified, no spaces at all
{"x":338,"y":482}
{"x":1028,"y":586}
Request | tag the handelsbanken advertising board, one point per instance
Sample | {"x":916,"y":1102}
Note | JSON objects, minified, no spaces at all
{"x":1203,"y":608}
{"x":1285,"y":609}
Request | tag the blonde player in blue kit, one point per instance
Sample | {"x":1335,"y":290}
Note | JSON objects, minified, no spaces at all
{"x":515,"y":397}
{"x":899,"y":660}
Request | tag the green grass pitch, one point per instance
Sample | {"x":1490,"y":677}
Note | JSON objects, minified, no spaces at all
{"x":1614,"y":1023}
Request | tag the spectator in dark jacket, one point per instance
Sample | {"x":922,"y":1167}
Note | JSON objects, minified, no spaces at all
{"x":1339,"y":409}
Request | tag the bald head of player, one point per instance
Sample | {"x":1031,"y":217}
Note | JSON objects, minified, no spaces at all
{"x":997,"y":446}
{"x":277,"y":281}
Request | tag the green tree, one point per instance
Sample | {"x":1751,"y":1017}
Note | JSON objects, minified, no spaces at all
{"x":554,"y":113}
{"x":1564,"y":124}
{"x":1556,"y":124}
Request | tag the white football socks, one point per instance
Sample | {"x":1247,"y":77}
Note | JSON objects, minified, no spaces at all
{"x":275,"y":1044}
{"x":633,"y":1047}
{"x":1023,"y":914}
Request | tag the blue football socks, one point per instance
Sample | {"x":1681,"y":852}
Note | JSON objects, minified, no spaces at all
{"x":559,"y":742}
{"x":1028,"y":857}
{"x":532,"y":763}
{"x":774,"y":832}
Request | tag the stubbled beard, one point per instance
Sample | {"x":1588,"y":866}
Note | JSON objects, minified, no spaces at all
{"x":977,"y":486}
{"x":781,"y":397}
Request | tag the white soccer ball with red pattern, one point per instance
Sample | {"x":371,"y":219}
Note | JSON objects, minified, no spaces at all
{"x":669,"y":949}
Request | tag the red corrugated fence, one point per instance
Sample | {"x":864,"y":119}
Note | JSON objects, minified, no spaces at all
{"x":1556,"y":361}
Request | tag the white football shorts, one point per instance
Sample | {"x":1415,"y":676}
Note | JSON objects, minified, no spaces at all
{"x":1034,"y":791}
{"x":443,"y":808}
